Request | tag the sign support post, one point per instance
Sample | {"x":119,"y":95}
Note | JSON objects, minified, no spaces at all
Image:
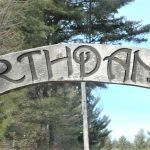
{"x":85,"y":117}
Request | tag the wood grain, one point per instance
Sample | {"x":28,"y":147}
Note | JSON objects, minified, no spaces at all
{"x":75,"y":62}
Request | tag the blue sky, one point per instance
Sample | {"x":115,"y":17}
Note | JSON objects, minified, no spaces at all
{"x":129,"y":107}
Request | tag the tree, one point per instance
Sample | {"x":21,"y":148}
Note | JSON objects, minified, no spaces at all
{"x":78,"y":21}
{"x":148,"y":143}
{"x":42,"y":122}
{"x":54,"y":21}
{"x":96,"y":22}
{"x":108,"y":144}
{"x":123,"y":143}
{"x":139,"y":140}
{"x":11,"y":38}
{"x":57,"y":22}
{"x":8,"y":105}
{"x":98,"y":131}
{"x":115,"y":144}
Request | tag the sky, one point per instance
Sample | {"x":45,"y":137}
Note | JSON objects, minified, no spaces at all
{"x":128,"y":107}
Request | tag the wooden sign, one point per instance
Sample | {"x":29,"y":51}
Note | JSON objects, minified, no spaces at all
{"x":75,"y":62}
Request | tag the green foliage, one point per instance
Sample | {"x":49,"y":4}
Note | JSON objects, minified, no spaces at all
{"x":10,"y":39}
{"x":48,"y":116}
{"x":50,"y":22}
{"x":96,"y":22}
{"x":108,"y":144}
{"x":123,"y":143}
{"x":8,"y":104}
{"x":98,"y":131}
{"x":139,"y":140}
{"x":46,"y":120}
{"x":32,"y":27}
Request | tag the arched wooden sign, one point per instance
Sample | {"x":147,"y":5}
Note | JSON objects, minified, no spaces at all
{"x":75,"y":62}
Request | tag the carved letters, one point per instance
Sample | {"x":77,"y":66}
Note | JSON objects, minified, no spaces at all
{"x":84,"y":57}
{"x":125,"y":64}
{"x":75,"y":62}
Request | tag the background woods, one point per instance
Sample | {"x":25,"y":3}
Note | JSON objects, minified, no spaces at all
{"x":48,"y":116}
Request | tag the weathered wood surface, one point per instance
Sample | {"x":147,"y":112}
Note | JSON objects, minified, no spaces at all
{"x":75,"y":62}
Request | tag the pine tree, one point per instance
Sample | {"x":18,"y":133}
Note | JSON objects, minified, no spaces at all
{"x":123,"y":143}
{"x":140,"y":140}
{"x":96,"y":22}
{"x":47,"y":122}
{"x":61,"y":17}
{"x":108,"y":144}
{"x":54,"y":21}
{"x":10,"y":39}
{"x":8,"y":130}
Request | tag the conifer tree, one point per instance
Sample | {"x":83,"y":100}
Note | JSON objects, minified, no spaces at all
{"x":140,"y":140}
{"x":10,"y":36}
{"x":54,"y":21}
